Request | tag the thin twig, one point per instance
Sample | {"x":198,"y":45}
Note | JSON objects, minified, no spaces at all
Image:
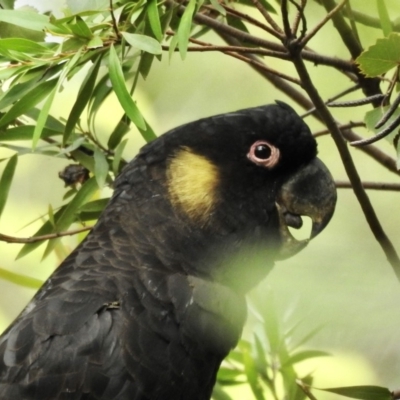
{"x":251,"y":20}
{"x":305,"y":389}
{"x":269,"y":19}
{"x":370,"y":185}
{"x":337,"y":96}
{"x":114,"y":21}
{"x":388,"y":113}
{"x":350,"y":125}
{"x":380,"y":135}
{"x":244,"y":37}
{"x":285,"y":21}
{"x":299,"y":17}
{"x":248,"y":60}
{"x":358,"y":102}
{"x":327,"y":18}
{"x":33,"y":239}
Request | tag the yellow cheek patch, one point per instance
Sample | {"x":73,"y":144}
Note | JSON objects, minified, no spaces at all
{"x":192,"y":182}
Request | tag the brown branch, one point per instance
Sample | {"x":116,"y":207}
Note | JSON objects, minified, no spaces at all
{"x":228,"y":50}
{"x":114,"y":21}
{"x":327,"y":18}
{"x":245,"y":37}
{"x":277,"y":29}
{"x":33,"y":239}
{"x":370,"y":185}
{"x":350,"y":125}
{"x":299,"y":17}
{"x":251,"y":20}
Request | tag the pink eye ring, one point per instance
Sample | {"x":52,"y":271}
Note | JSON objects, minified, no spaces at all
{"x":264,"y":154}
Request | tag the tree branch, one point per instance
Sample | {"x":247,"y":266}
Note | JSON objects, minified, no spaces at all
{"x":33,"y":239}
{"x":370,"y":185}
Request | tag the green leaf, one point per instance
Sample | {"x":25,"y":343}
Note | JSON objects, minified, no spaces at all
{"x":251,"y":371}
{"x":119,"y":132}
{"x":384,"y":18}
{"x":45,"y":229}
{"x":185,"y":28}
{"x":305,"y":355}
{"x":25,"y":19}
{"x":79,"y":28}
{"x":219,"y":393}
{"x":22,"y":45}
{"x":118,"y":83}
{"x":100,"y":167}
{"x":84,"y":159}
{"x":7,"y":4}
{"x":143,"y":42}
{"x":95,"y":42}
{"x":79,"y":6}
{"x":95,"y":205}
{"x":380,"y":57}
{"x":51,"y":123}
{"x":154,"y":19}
{"x":118,"y":155}
{"x":28,"y":101}
{"x":82,"y":99}
{"x":362,"y":392}
{"x":6,"y":179}
{"x":218,"y":7}
{"x":21,"y":280}
{"x":16,"y":92}
{"x":24,"y":132}
{"x":68,"y":216}
{"x":146,"y":61}
{"x":228,"y":375}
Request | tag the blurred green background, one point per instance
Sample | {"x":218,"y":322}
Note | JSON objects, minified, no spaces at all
{"x":340,"y":282}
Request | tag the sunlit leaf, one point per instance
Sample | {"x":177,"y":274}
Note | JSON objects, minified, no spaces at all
{"x":24,"y":132}
{"x":19,"y":279}
{"x":154,"y":19}
{"x":362,"y":392}
{"x":79,"y":28}
{"x":22,"y":45}
{"x":143,"y":42}
{"x":384,"y":18}
{"x":305,"y":355}
{"x":68,"y":216}
{"x":100,"y":167}
{"x":95,"y":42}
{"x":25,"y":19}
{"x":380,"y":57}
{"x":95,"y":205}
{"x":218,"y":7}
{"x":28,"y":101}
{"x":219,"y":393}
{"x":118,"y":156}
{"x":82,"y":99}
{"x":118,"y":83}
{"x":251,"y":371}
{"x":185,"y":28}
{"x":6,"y":179}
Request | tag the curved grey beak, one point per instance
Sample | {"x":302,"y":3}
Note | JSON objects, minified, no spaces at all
{"x":309,"y":192}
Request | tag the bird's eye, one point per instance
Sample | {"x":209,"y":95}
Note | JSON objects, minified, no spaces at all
{"x":264,"y":154}
{"x":262,"y":151}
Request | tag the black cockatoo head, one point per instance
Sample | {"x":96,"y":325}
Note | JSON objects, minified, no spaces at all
{"x":232,"y":180}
